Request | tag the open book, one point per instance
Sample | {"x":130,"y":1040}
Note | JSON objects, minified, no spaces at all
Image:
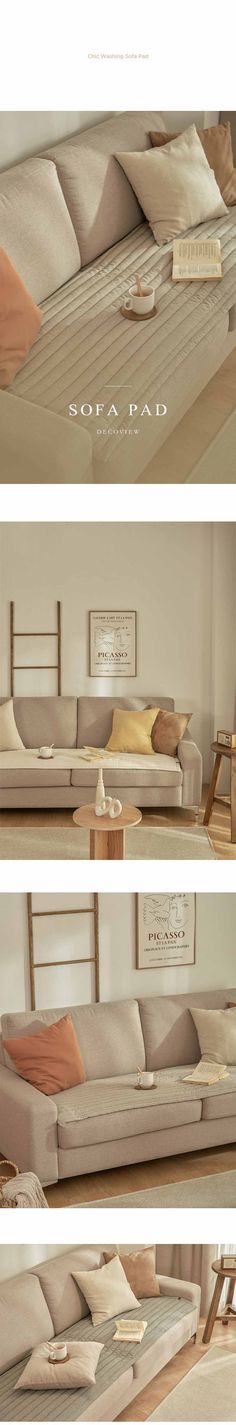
{"x":206,"y":1072}
{"x":196,"y":259}
{"x":129,"y":1330}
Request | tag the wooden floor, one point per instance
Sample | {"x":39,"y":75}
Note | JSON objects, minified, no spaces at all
{"x":219,"y":827}
{"x":142,"y":1407}
{"x":138,"y":1177}
{"x":192,"y":437}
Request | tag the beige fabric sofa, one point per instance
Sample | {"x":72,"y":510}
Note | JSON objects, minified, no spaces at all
{"x":45,"y":1303}
{"x":68,"y":780}
{"x":96,"y":239}
{"x":105,"y":1122}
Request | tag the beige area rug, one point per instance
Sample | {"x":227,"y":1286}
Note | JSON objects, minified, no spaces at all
{"x":208,"y":1392}
{"x":71,"y":843}
{"x":215,"y":1190}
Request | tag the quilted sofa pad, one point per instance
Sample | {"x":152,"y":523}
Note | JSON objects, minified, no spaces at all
{"x":163,"y":1314}
{"x":87,"y":353}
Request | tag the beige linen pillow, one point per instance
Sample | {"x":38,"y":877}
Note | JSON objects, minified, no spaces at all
{"x":131,"y":731}
{"x":174,"y":185}
{"x":79,"y":1370}
{"x":140,"y":1270}
{"x":10,"y":740}
{"x":107,"y":1291}
{"x":168,"y":730}
{"x":216,"y":1029}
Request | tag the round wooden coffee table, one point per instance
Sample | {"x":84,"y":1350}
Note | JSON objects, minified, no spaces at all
{"x":223,"y":1274}
{"x":107,"y":836}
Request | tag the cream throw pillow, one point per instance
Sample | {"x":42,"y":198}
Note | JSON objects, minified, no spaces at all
{"x":41,"y":1374}
{"x":174,"y":185}
{"x":106,"y":1291}
{"x":131,"y":731}
{"x":216,"y":1029}
{"x":10,"y":740}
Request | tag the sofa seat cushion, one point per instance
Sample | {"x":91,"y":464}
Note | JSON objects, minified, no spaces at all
{"x":167,"y":1343}
{"x":115,"y":1371}
{"x":132,"y":769}
{"x":108,"y":1109}
{"x":84,"y":344}
{"x":33,"y":772}
{"x":32,"y":205}
{"x":25,"y":768}
{"x":221,"y":1105}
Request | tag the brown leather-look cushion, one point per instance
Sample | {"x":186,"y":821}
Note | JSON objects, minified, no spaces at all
{"x":167,"y":731}
{"x":139,"y":1268}
{"x":217,"y":144}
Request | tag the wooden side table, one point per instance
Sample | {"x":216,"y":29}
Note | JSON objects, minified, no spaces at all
{"x":219,"y":753}
{"x":222,"y":1274}
{"x":107,"y":836}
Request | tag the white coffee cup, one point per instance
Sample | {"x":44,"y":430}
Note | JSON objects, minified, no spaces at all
{"x":143,"y":304}
{"x":58,"y":1351}
{"x":145,"y":1078}
{"x":46,"y":751}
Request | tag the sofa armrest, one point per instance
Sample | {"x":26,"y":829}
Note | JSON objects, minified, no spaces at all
{"x":191,"y":762}
{"x":28,"y":1131}
{"x":170,"y":1286}
{"x":38,"y":445}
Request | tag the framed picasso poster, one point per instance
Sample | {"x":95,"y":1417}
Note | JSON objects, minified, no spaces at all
{"x":165,"y":930}
{"x":112,"y":643}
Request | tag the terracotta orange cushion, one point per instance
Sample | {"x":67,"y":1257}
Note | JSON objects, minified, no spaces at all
{"x":51,"y":1059}
{"x":20,"y":321}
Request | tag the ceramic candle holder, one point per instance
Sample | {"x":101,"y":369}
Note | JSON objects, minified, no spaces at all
{"x":105,"y":806}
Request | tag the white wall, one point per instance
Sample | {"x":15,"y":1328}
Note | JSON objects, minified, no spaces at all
{"x":23,"y":133}
{"x":215,"y":965}
{"x":179,"y":577}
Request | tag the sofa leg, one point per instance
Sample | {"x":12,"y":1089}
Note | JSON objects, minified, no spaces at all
{"x":194,"y":1338}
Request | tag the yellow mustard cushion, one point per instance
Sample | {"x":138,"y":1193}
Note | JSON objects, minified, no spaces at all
{"x":131,"y":731}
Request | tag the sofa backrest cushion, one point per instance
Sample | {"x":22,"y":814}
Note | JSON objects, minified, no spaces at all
{"x":41,"y":721}
{"x":24,"y":1318}
{"x":35,"y":227}
{"x":169,"y":1032}
{"x":101,"y":202}
{"x":95,"y":716}
{"x":110,"y":1035}
{"x":65,"y":1302}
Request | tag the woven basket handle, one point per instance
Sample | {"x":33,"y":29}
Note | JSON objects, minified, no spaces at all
{"x":12,"y":1171}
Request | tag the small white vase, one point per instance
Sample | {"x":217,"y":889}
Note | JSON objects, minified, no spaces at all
{"x":100,"y":794}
